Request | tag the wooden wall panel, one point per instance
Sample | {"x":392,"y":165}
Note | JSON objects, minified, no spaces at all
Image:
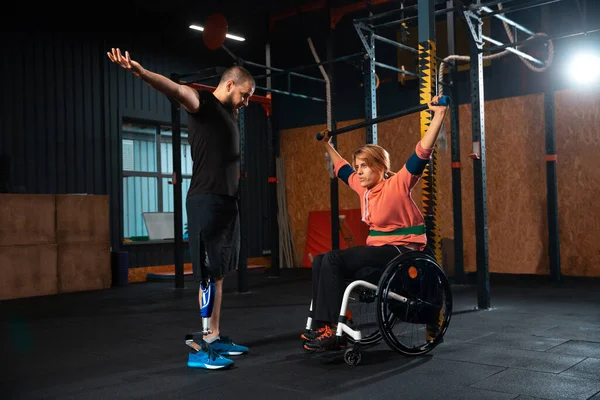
{"x":78,"y":258}
{"x":307,"y":176}
{"x":577,"y":148}
{"x":83,"y":266}
{"x":516,"y":183}
{"x":28,"y":271}
{"x":27,"y":219}
{"x":82,"y":219}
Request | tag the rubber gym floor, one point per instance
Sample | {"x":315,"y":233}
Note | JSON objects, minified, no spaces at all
{"x":539,"y":341}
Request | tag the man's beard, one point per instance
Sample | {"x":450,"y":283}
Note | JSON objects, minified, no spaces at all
{"x":234,"y":111}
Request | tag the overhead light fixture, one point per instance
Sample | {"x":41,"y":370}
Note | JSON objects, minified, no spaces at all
{"x":228,"y":35}
{"x":585,"y":67}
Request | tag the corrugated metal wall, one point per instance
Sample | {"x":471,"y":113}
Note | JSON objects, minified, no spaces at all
{"x":63,"y":104}
{"x":52,"y":115}
{"x":256,"y":203}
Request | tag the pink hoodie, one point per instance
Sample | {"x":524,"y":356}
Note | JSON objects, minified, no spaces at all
{"x":389,"y":205}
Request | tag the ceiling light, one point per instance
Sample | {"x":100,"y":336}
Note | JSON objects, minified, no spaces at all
{"x":585,"y":67}
{"x":228,"y":35}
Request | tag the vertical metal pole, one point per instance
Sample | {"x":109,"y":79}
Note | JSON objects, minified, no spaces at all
{"x":551,"y":179}
{"x":552,"y":188}
{"x":177,"y":195}
{"x":333,"y":183}
{"x":370,"y":89}
{"x":427,"y":79}
{"x":243,"y":207}
{"x":272,"y":170}
{"x":459,"y":268}
{"x":160,"y":186}
{"x":268,"y":63}
{"x":479,"y":163}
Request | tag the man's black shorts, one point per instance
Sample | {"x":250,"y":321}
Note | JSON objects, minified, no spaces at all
{"x":213,"y":226}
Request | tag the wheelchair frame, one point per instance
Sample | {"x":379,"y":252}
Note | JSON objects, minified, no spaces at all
{"x":352,"y":354}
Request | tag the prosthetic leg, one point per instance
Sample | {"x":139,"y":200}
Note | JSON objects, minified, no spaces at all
{"x":207,"y":302}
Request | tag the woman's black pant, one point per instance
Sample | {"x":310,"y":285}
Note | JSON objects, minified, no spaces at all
{"x":331,"y":270}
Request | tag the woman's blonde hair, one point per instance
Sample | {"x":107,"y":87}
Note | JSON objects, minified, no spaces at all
{"x":377,"y":158}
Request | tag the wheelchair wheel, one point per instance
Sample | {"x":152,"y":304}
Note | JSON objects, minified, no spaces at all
{"x":414,"y":304}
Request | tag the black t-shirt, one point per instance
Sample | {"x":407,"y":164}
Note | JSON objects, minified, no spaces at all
{"x":214,"y":136}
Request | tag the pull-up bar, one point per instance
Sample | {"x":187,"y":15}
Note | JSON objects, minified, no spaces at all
{"x":302,"y":67}
{"x":284,"y":71}
{"x":443,"y":101}
{"x":299,"y":95}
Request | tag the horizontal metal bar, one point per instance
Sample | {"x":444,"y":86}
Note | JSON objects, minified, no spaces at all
{"x":302,"y":96}
{"x":348,"y":57}
{"x":377,"y":120}
{"x":282,"y":70}
{"x":394,"y":43}
{"x":312,"y":78}
{"x":508,"y":21}
{"x":145,"y":174}
{"x":399,"y":21}
{"x":512,"y":50}
{"x":396,"y":69}
{"x":575,"y":34}
{"x":202,"y":71}
{"x":141,"y":174}
{"x":489,"y":3}
{"x":538,"y":39}
{"x":385,"y":14}
{"x":526,"y":6}
{"x":400,"y":45}
{"x":516,"y":44}
{"x":394,"y":22}
{"x":262,"y":66}
{"x":437,"y":12}
{"x":204,"y":79}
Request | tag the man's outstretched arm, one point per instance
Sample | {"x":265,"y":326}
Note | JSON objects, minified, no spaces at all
{"x":185,"y":95}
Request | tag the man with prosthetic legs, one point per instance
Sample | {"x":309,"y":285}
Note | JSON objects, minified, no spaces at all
{"x":212,"y":198}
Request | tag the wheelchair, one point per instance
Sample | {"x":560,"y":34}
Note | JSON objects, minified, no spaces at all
{"x":409,"y":308}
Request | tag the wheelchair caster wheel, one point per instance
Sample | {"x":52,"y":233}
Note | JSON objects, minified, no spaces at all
{"x":352,"y":357}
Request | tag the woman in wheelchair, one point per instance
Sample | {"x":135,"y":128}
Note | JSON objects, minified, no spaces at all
{"x":396,"y":224}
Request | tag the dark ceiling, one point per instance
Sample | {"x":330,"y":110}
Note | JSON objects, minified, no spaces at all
{"x":250,"y":19}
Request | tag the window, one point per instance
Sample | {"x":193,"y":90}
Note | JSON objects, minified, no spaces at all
{"x":147,"y":171}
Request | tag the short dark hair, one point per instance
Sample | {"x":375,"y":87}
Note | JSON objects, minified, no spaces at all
{"x":238,"y":74}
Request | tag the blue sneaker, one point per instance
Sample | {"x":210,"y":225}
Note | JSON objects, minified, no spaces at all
{"x":225,"y":346}
{"x":207,"y":358}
